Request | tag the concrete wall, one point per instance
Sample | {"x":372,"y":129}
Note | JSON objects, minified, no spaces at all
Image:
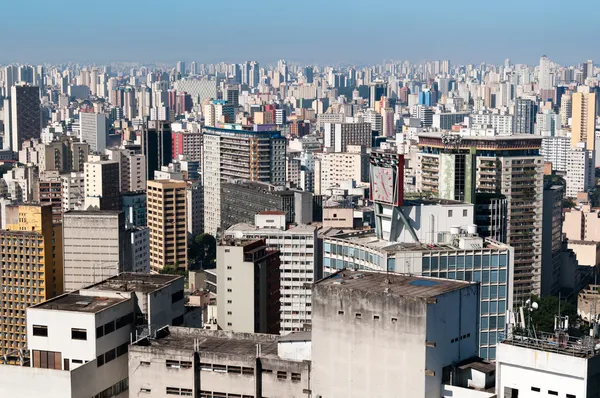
{"x":17,"y":381}
{"x":366,"y":356}
{"x":449,"y":391}
{"x":429,"y":220}
{"x":161,"y":309}
{"x":522,"y":368}
{"x":295,"y":350}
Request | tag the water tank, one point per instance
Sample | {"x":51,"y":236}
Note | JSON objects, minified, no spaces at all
{"x":472,"y":229}
{"x":455,"y":230}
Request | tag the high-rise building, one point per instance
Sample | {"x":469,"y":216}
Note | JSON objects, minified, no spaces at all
{"x":552,"y":239}
{"x":102,"y":185}
{"x":181,"y":68}
{"x":588,"y":69}
{"x":50,"y":191}
{"x":579,"y":175}
{"x":32,"y":269}
{"x":26,"y":114}
{"x":525,"y":111}
{"x":335,"y":167}
{"x":545,"y":76}
{"x":248,"y":286}
{"x":96,"y":247}
{"x":339,"y":135}
{"x":166,"y":201}
{"x":235,"y":153}
{"x":500,"y":163}
{"x":232,"y":95}
{"x":94,"y":130}
{"x":156,"y":146}
{"x":300,"y":266}
{"x":187,"y":143}
{"x":584,"y":120}
{"x":376,"y":91}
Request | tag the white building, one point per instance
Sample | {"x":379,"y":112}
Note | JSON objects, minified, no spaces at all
{"x":332,"y":168}
{"x":528,"y":367}
{"x":300,"y":263}
{"x":339,"y":135}
{"x":140,"y":249}
{"x":580,"y":170}
{"x":502,"y":124}
{"x":401,"y":334}
{"x":102,"y":185}
{"x":555,"y":150}
{"x":93,"y":130}
{"x":78,"y":342}
{"x":73,"y":191}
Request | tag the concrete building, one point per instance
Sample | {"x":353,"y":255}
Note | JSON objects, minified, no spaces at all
{"x":188,"y":143}
{"x":583,"y":126}
{"x":26,"y":115}
{"x":556,"y":151}
{"x":206,"y":363}
{"x":445,"y":120}
{"x":339,"y":135}
{"x":525,"y":112}
{"x":462,"y":256}
{"x":167,"y":221}
{"x":301,"y":264}
{"x":132,"y":169}
{"x":502,"y":124}
{"x":242,"y":199}
{"x":50,"y":191}
{"x":413,"y":329}
{"x":194,"y":197}
{"x":95,"y":247}
{"x":93,"y":130}
{"x":248,"y":295}
{"x":580,"y":170}
{"x":522,"y":163}
{"x":552,"y":239}
{"x":102,"y":186}
{"x":73,"y":191}
{"x":335,"y":167}
{"x":32,"y":269}
{"x":232,"y":152}
{"x":582,"y":224}
{"x":139,"y":242}
{"x":78,"y":342}
{"x":530,"y":367}
{"x":135,"y":208}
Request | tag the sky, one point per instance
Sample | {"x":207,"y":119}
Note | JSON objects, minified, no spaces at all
{"x":310,"y":31}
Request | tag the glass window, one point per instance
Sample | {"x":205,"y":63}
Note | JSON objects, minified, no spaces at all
{"x":443,"y":274}
{"x":345,"y":250}
{"x":391,"y":265}
{"x":468,"y":262}
{"x":434,"y":263}
{"x":443,"y":263}
{"x":477,"y":261}
{"x":460,"y":275}
{"x":333,"y":263}
{"x":451,"y":263}
{"x":494,"y":276}
{"x":484,"y":338}
{"x":501,"y":306}
{"x":492,"y":353}
{"x":493,"y":325}
{"x":495,"y":262}
{"x":501,"y":322}
{"x":494,"y":292}
{"x":327,"y":248}
{"x":484,"y":322}
{"x":485,"y":261}
{"x":460,"y":262}
{"x":426,"y":264}
{"x":326,"y":261}
{"x":503,"y":260}
{"x":477,"y":276}
{"x":493,"y":307}
{"x":485,"y":276}
{"x":484,"y":353}
{"x":485,"y":292}
{"x":501,"y":291}
{"x":452,"y":275}
{"x":502,"y":275}
{"x":484,"y":307}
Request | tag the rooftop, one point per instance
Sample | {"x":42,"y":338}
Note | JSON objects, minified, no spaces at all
{"x":135,"y":282}
{"x":558,"y":343}
{"x":76,"y":302}
{"x":392,"y":283}
{"x":213,"y":341}
{"x":433,"y":201}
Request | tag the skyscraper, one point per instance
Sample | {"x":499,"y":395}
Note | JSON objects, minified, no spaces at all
{"x":167,"y":222}
{"x":584,"y":120}
{"x":94,"y":130}
{"x":525,"y":111}
{"x":588,"y":69}
{"x":181,"y":68}
{"x":26,"y":114}
{"x":545,"y":74}
{"x":238,"y":154}
{"x":102,"y":185}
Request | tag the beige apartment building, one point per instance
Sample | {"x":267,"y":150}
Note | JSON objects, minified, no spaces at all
{"x":167,"y":222}
{"x":331,"y":168}
{"x":583,"y":125}
{"x":32,"y":269}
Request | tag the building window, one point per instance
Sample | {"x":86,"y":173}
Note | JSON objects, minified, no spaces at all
{"x":465,"y":213}
{"x":449,"y":213}
{"x":78,"y":334}
{"x":536,"y":389}
{"x":173,"y":391}
{"x":358,"y":315}
{"x":550,"y":392}
{"x":375,"y":317}
{"x":99,"y":331}
{"x":296,"y":377}
{"x":281,"y":375}
{"x":40,"y":330}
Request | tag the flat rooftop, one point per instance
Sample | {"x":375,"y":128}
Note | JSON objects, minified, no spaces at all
{"x":78,"y":303}
{"x":392,"y":283}
{"x":433,"y":201}
{"x":213,"y":341}
{"x":370,"y":239}
{"x":135,"y":282}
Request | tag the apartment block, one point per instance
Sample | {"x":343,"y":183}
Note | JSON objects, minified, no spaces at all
{"x":335,"y":167}
{"x":339,"y":135}
{"x":32,"y":269}
{"x":166,"y":218}
{"x":248,"y":295}
{"x":102,"y":185}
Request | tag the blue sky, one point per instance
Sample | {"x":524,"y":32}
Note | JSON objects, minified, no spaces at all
{"x":310,"y":31}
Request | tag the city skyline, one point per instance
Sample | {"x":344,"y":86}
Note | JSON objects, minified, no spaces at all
{"x":311,"y":32}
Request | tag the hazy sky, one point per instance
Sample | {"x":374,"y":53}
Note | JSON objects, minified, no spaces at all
{"x":310,"y":31}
